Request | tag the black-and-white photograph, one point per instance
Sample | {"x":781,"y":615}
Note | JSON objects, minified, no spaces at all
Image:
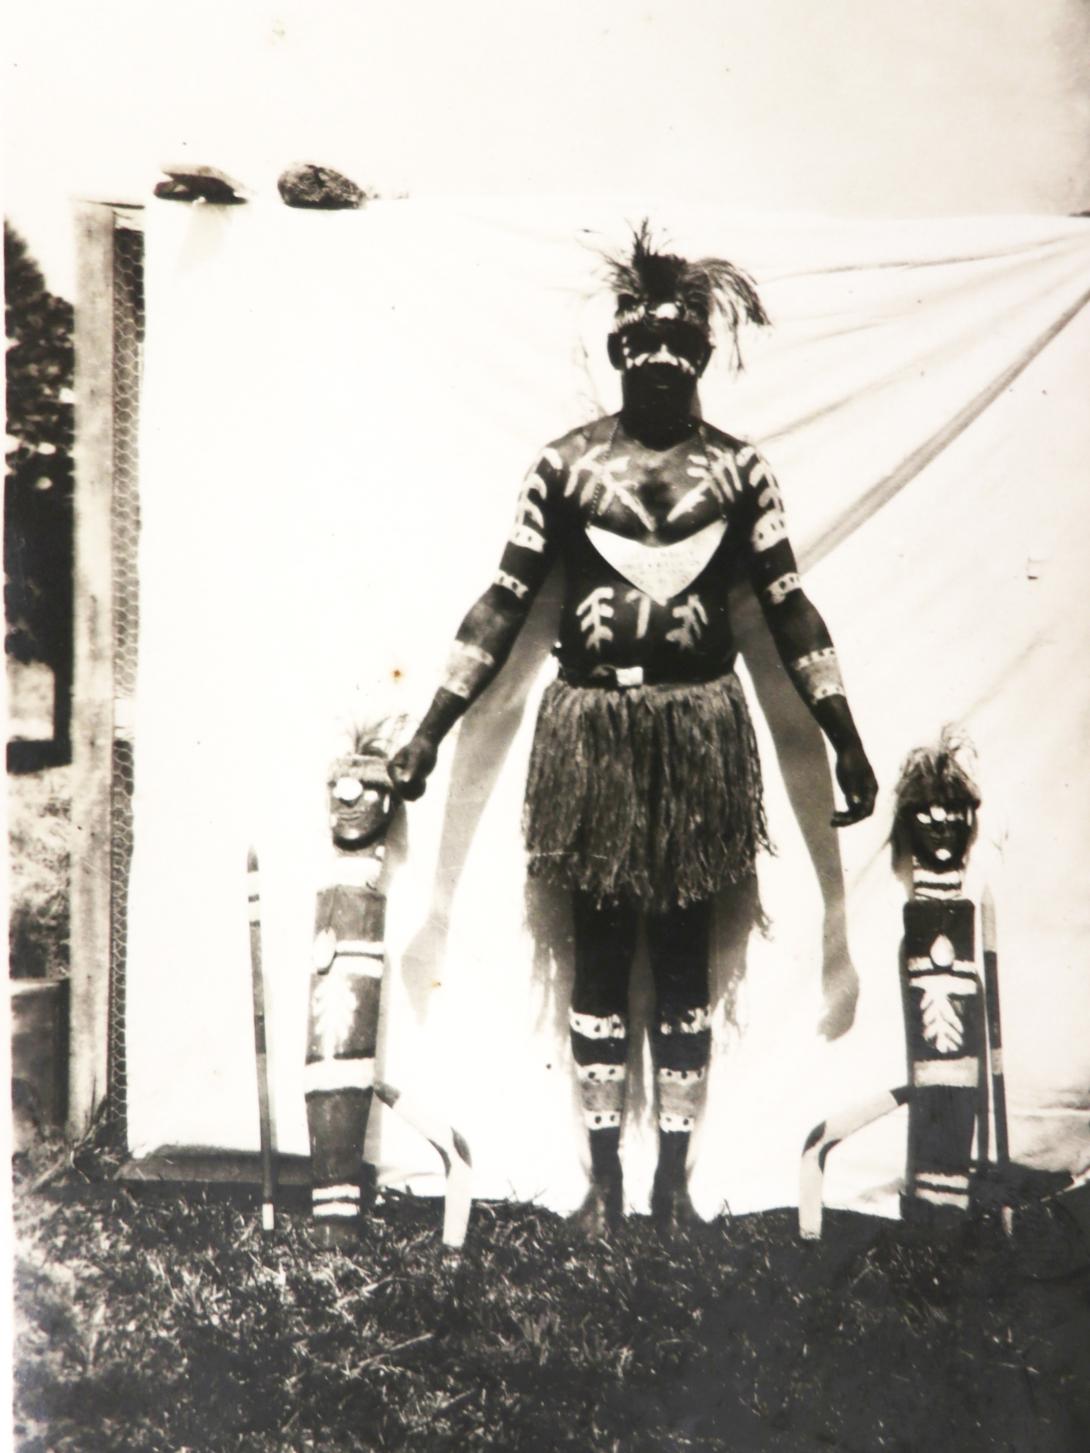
{"x":547,"y":705}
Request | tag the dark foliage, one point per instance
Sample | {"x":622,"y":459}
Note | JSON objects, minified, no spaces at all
{"x":167,"y":1323}
{"x":38,"y":487}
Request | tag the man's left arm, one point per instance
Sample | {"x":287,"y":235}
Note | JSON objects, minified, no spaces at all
{"x":802,"y":638}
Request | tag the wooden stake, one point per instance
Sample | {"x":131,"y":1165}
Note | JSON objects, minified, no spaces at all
{"x":268,"y":1181}
{"x":995,"y":1028}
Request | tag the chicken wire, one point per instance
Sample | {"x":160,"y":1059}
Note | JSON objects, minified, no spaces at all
{"x":128,"y":339}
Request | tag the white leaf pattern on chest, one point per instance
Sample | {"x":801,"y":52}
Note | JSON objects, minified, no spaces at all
{"x":660,"y":571}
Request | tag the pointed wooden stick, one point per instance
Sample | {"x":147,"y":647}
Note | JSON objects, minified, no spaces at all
{"x":268,"y":1180}
{"x":995,"y":1028}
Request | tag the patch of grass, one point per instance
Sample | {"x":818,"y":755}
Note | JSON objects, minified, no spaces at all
{"x":166,"y":1322}
{"x":39,"y":818}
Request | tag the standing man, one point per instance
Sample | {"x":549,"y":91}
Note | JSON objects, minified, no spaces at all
{"x":644,"y":793}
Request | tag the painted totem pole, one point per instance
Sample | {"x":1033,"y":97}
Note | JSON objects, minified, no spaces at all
{"x":934,"y":828}
{"x":935,"y":823}
{"x":346,"y":988}
{"x":345,"y":997}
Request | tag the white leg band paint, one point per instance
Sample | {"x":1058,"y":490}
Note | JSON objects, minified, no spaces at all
{"x":596,"y":1026}
{"x":338,"y":1074}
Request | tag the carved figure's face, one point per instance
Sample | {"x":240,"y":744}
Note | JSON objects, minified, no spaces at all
{"x":663,"y":343}
{"x":361,"y":801}
{"x":940,"y":833}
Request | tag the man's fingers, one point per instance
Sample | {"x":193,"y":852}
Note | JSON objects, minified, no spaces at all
{"x":857,"y":809}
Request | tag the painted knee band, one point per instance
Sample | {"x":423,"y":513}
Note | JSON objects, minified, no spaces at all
{"x":600,"y":1047}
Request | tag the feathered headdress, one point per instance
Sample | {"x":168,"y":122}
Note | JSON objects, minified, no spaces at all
{"x":710,"y":288}
{"x":939,"y":773}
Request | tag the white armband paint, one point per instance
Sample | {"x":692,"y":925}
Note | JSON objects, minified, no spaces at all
{"x":780,"y":589}
{"x":817,"y":675}
{"x":468,"y":668}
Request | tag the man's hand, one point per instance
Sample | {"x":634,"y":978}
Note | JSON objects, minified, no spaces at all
{"x":858,"y":784}
{"x":410,"y":768}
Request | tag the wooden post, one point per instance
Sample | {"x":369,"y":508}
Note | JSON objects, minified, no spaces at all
{"x":92,"y":708}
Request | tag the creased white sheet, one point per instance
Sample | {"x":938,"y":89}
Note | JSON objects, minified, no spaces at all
{"x":337,"y":412}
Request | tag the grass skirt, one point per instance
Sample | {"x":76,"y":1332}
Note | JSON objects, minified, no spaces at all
{"x":648,"y":794}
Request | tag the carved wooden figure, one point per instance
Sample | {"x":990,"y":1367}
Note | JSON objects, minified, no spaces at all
{"x":345,"y":997}
{"x":946,"y":1030}
{"x":944,"y":1001}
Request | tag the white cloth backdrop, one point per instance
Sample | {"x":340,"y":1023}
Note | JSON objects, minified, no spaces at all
{"x":338,"y":410}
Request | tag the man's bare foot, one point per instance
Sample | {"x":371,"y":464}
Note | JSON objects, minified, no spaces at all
{"x":600,"y":1213}
{"x":672,"y":1211}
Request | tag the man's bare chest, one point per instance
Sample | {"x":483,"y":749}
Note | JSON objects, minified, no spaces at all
{"x":657,"y":498}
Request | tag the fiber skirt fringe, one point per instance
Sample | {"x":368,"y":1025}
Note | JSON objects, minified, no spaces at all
{"x":650,"y":794}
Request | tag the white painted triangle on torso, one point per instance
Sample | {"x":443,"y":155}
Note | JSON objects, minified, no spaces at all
{"x":660,"y":571}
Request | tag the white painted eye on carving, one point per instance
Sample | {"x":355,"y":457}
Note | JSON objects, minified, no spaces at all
{"x":938,"y":812}
{"x":664,"y":310}
{"x":347,"y":790}
{"x":924,"y":817}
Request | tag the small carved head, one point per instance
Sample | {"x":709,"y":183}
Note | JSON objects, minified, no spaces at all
{"x":935,"y":818}
{"x":361,"y":798}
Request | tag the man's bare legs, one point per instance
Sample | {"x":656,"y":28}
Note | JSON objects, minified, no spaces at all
{"x":605,"y":943}
{"x":678,"y":944}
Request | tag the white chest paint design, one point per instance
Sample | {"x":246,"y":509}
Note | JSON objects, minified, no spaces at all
{"x":660,"y":571}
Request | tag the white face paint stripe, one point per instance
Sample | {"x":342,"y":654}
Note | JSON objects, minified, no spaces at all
{"x":338,"y":1074}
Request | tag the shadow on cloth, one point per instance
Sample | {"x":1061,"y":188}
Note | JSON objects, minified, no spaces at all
{"x":484,"y":741}
{"x":804,"y":765}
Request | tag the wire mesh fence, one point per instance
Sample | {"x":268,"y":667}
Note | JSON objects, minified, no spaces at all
{"x":127,"y":356}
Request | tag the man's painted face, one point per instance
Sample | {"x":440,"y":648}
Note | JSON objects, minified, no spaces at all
{"x":361,"y":801}
{"x":662,"y":342}
{"x":940,"y":833}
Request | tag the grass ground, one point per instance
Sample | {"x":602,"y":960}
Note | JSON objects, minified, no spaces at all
{"x":166,"y":1322}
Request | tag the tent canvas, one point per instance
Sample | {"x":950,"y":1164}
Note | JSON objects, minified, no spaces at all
{"x":337,"y":410}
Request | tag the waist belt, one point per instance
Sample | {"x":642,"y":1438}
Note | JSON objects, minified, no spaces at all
{"x":688,"y":673}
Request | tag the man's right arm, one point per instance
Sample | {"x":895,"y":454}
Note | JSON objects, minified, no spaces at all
{"x":485,"y":638}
